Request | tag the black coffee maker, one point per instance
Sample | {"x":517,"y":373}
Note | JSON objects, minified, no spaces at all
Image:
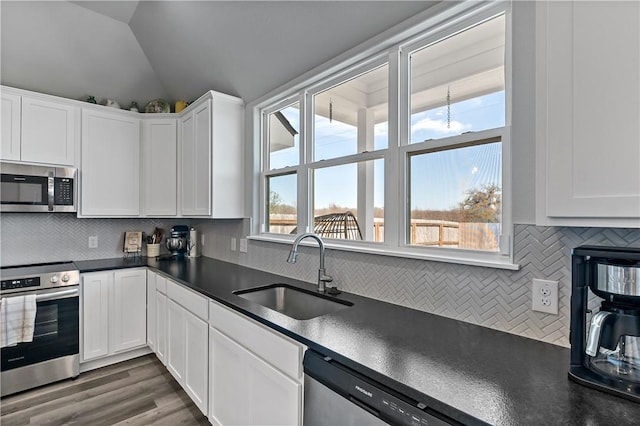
{"x":605,"y":340}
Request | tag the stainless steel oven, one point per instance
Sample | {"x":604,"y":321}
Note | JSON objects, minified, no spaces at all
{"x":34,"y":188}
{"x":53,"y":353}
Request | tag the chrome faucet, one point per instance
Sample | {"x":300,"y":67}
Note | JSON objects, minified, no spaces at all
{"x":323,"y":278}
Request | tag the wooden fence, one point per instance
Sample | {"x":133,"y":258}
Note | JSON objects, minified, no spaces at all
{"x":473,"y":236}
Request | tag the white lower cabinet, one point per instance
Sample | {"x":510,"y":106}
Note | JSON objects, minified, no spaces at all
{"x":151,"y":310}
{"x":161,"y":327}
{"x":176,"y":340}
{"x":236,"y":370}
{"x":187,"y":349}
{"x":113,"y":312}
{"x":245,"y":390}
{"x":255,"y":374}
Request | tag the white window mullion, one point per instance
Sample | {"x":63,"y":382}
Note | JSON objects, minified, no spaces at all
{"x":306,"y":156}
{"x":393,"y":191}
{"x":264,"y":164}
{"x":365,"y":174}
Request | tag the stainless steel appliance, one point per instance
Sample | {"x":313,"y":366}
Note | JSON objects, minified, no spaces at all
{"x":33,"y":188}
{"x":178,"y":241}
{"x":605,"y":341}
{"x":337,"y":395}
{"x":54,"y":353}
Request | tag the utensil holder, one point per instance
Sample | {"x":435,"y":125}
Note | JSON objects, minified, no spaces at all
{"x":153,"y":250}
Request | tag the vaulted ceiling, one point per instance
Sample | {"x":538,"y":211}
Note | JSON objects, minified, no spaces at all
{"x":143,"y":50}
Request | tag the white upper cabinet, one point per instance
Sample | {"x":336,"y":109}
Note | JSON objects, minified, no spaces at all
{"x":10,"y":126}
{"x":49,"y":131}
{"x":110,"y":174}
{"x":211,"y":158}
{"x":39,"y":128}
{"x":587,"y":107}
{"x":159,"y":167}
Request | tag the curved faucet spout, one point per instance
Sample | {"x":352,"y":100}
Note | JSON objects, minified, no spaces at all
{"x":293,"y":257}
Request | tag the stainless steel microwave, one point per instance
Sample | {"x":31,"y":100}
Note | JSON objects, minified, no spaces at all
{"x":35,"y":188}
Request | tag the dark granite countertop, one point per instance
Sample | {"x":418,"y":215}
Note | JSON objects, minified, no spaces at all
{"x":471,"y":373}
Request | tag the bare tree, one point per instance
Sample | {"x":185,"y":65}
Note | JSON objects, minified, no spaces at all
{"x":482,"y":204}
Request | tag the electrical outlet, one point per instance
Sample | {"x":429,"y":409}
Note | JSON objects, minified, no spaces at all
{"x":202,"y":240}
{"x":93,"y":241}
{"x":243,"y":245}
{"x":544,"y":296}
{"x":233,"y":243}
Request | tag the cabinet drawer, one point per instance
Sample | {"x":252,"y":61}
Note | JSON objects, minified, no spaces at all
{"x":277,"y":350}
{"x":191,"y":301}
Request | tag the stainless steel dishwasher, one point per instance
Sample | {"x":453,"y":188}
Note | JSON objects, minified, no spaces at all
{"x":338,"y":395}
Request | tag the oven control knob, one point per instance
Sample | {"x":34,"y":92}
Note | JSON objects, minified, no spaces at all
{"x":54,"y":279}
{"x":65,"y":278}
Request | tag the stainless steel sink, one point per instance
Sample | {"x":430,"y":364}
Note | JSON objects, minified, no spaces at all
{"x":293,"y":302}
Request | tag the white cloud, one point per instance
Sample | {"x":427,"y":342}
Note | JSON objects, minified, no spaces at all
{"x":440,"y":126}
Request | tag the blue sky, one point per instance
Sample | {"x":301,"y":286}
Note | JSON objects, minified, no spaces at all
{"x":439,"y":180}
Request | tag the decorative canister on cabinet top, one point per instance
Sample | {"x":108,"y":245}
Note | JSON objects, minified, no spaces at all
{"x":180,"y":105}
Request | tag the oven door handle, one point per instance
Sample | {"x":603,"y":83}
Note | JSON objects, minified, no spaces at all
{"x":64,"y":294}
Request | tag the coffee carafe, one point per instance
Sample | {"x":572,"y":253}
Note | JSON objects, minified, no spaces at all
{"x":605,"y":341}
{"x":177,"y":243}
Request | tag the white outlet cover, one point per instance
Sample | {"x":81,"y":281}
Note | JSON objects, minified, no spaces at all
{"x":544,"y":296}
{"x":233,"y":243}
{"x":93,"y":241}
{"x":243,"y":245}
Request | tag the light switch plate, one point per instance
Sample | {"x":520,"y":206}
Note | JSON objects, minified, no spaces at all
{"x":243,"y":245}
{"x":233,"y":243}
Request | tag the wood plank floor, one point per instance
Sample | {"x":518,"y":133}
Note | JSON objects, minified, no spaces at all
{"x":136,"y":392}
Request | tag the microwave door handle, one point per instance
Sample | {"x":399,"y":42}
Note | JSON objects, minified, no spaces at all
{"x":50,"y":190}
{"x":64,"y":294}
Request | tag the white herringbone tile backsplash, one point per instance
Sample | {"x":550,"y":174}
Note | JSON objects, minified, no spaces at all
{"x":489,"y":297}
{"x":52,"y":237}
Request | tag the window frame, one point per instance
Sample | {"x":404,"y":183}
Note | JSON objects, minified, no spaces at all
{"x":396,"y":156}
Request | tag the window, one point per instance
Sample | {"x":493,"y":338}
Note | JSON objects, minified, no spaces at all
{"x":425,"y":120}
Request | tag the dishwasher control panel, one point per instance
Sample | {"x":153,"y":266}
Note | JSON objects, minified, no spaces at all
{"x":374,"y":397}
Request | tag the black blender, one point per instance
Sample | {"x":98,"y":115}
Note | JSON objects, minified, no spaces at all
{"x":605,"y":341}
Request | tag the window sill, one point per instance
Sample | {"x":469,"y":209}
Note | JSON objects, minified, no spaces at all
{"x":485,"y":260}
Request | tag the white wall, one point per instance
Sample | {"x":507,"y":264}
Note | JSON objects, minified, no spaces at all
{"x":63,"y":49}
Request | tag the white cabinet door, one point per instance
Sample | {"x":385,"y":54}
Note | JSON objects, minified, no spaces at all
{"x":176,"y":340}
{"x":211,"y":158}
{"x":49,"y":131}
{"x":275,"y":398}
{"x":151,"y":310}
{"x":246,"y":390}
{"x":95,"y":314}
{"x":588,"y":110}
{"x":229,"y":400}
{"x":161,"y":327}
{"x":129,"y":317}
{"x":195,"y":161}
{"x":10,"y":126}
{"x":196,"y":361}
{"x":110,"y":175}
{"x":228,"y":157}
{"x":159,"y":164}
